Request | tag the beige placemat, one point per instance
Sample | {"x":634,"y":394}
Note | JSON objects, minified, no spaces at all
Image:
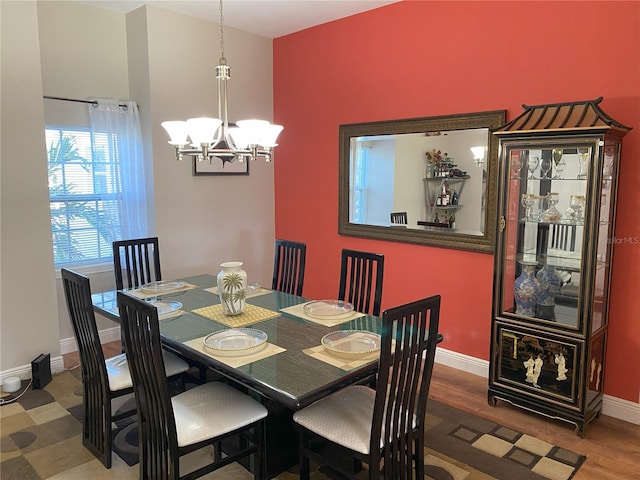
{"x":298,"y":311}
{"x":255,"y":293}
{"x":320,"y":353}
{"x":138,"y":292}
{"x":236,"y":362}
{"x":252,"y":314}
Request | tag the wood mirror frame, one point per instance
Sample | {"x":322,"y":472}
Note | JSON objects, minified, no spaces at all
{"x":480,"y":241}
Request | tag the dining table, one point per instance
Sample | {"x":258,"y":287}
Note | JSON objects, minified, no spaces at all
{"x":292,"y":370}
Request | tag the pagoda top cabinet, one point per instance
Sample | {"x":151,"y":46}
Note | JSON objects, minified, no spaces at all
{"x":558,"y":175}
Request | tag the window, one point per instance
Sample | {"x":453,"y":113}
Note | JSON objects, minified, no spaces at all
{"x":359,"y":185}
{"x":84,"y":188}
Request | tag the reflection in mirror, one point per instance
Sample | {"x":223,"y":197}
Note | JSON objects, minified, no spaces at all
{"x":441,"y":171}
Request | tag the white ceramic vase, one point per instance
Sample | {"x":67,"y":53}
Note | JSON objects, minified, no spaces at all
{"x":232,"y":281}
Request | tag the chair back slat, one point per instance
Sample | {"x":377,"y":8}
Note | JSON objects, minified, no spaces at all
{"x":409,"y":338}
{"x":289,"y":266}
{"x":399,"y":218}
{"x":139,"y":259}
{"x":563,"y":237}
{"x":361,"y":275}
{"x":95,"y":381}
{"x":158,"y":438}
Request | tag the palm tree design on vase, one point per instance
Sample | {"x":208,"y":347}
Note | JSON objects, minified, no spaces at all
{"x":232,"y":294}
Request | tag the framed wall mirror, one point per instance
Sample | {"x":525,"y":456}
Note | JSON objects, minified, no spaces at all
{"x":429,"y":181}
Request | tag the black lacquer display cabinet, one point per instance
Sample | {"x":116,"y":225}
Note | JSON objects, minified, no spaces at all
{"x":556,"y":209}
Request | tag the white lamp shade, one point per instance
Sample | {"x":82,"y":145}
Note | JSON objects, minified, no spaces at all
{"x":202,"y":130}
{"x":239,"y":138}
{"x":178,"y":131}
{"x":252,"y":130}
{"x":478,"y":152}
{"x":270,"y":135}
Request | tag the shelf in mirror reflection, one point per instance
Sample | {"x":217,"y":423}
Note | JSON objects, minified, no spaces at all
{"x":564,"y":262}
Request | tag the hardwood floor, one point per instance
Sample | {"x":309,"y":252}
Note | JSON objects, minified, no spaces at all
{"x":612,"y":446}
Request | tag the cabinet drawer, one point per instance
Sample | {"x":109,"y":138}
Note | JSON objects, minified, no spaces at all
{"x":538,"y":364}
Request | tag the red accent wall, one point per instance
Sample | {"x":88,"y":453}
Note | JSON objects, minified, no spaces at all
{"x":423,"y":58}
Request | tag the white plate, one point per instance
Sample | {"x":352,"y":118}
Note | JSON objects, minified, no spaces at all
{"x":351,"y":343}
{"x":235,"y":342}
{"x":159,"y":287}
{"x":165,"y":307}
{"x":328,"y":308}
{"x":252,"y":287}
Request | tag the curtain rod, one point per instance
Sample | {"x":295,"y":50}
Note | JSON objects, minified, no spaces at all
{"x":92,"y":102}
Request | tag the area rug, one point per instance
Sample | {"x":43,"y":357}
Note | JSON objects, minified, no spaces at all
{"x":41,"y":438}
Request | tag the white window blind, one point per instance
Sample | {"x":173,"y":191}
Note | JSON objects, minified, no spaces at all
{"x":84,"y":188}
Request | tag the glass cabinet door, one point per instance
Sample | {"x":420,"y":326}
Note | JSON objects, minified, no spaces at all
{"x":545,"y":212}
{"x":605,"y":235}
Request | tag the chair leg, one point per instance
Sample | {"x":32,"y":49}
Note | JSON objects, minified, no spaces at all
{"x":304,"y":460}
{"x":260,"y":455}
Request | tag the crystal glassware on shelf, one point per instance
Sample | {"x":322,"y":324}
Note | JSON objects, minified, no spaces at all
{"x":539,"y":204}
{"x":532,"y":164}
{"x":528,"y":200}
{"x":556,"y":154}
{"x":551,"y":214}
{"x":576,"y":203}
{"x":583,"y":157}
{"x":516,"y":166}
{"x":545,"y":169}
{"x":569,"y":216}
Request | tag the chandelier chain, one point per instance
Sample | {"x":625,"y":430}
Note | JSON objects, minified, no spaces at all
{"x":221,"y":30}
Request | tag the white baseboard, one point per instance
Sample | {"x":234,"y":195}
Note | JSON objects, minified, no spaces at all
{"x":24,"y":371}
{"x":460,"y":361}
{"x":68,"y":345}
{"x":621,"y":409}
{"x":611,"y":406}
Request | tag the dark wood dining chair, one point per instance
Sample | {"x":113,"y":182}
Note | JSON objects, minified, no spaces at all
{"x":361,"y":280}
{"x":138,"y":259}
{"x":399,"y":218}
{"x":563,"y":237}
{"x":170,"y":427}
{"x":288,"y":267}
{"x":383,"y":428}
{"x":102,"y":380}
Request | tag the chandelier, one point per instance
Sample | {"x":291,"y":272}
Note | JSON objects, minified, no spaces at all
{"x":206,"y":137}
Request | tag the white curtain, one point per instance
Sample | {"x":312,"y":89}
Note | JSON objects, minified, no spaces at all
{"x":119,"y":124}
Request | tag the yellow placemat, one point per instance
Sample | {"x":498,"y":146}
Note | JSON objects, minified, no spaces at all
{"x":320,"y":353}
{"x":251,"y":314}
{"x":138,"y":292}
{"x":236,"y":362}
{"x":298,"y":311}
{"x":255,"y":293}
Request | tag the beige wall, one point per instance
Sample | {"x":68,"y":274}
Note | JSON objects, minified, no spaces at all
{"x":206,"y":220}
{"x":28,"y":319}
{"x":164,"y":61}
